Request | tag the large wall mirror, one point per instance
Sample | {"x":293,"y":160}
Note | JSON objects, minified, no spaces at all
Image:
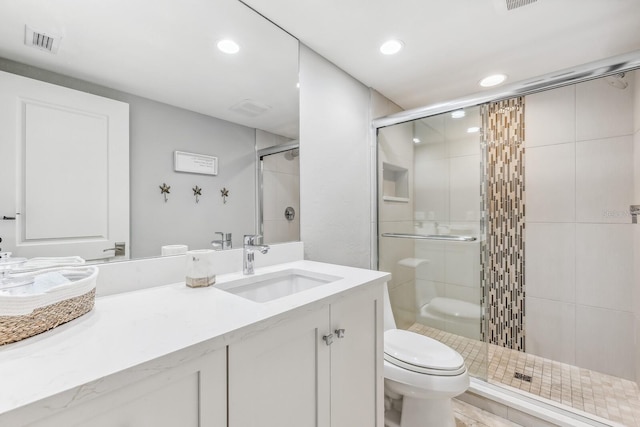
{"x":162,"y":61}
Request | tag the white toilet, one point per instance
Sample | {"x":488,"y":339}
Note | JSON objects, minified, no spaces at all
{"x":424,"y":372}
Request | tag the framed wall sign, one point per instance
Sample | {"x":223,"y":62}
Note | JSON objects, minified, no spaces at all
{"x":195,"y":163}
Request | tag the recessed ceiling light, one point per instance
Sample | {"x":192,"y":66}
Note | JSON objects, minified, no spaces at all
{"x":228,"y":46}
{"x":493,"y":80}
{"x":458,"y":114}
{"x":391,"y":47}
{"x":416,"y":140}
{"x":473,"y":129}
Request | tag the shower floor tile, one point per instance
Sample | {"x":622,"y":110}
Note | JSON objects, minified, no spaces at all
{"x":609,"y":397}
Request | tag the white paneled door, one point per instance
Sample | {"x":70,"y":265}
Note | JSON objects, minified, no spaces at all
{"x":64,"y":171}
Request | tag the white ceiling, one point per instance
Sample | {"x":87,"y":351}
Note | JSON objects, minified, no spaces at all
{"x":451,"y":44}
{"x":165,"y":50}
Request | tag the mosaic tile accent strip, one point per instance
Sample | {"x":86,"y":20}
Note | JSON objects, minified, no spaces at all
{"x":503,"y":199}
{"x":586,"y":391}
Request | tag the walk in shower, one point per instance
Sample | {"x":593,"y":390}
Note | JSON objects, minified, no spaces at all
{"x":508,"y":228}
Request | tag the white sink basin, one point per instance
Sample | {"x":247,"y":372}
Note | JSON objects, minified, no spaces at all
{"x":279,"y":284}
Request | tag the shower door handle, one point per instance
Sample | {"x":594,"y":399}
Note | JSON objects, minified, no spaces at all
{"x":431,"y":237}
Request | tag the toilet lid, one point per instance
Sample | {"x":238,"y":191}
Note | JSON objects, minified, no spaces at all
{"x":422,"y":354}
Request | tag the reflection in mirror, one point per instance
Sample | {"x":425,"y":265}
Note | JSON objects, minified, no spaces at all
{"x":182,"y":94}
{"x":279,"y":187}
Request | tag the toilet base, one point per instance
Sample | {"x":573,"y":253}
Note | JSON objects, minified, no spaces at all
{"x":426,"y":413}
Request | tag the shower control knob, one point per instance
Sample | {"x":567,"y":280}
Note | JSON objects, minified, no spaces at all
{"x":339,"y":333}
{"x":289,"y":213}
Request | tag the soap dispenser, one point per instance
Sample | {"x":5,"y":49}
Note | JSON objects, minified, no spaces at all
{"x":200,"y":268}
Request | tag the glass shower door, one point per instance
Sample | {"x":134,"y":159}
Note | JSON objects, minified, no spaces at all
{"x":429,"y":211}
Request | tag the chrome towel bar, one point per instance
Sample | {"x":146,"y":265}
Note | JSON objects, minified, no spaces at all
{"x":431,"y":237}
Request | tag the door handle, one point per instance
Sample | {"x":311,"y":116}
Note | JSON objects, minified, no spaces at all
{"x":8,"y":218}
{"x":119,"y":249}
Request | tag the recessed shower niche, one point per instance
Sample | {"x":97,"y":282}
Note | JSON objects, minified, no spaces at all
{"x":395,"y":183}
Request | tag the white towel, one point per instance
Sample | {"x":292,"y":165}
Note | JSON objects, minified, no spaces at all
{"x":40,"y":263}
{"x":174,"y":250}
{"x":46,"y":281}
{"x":412,"y":262}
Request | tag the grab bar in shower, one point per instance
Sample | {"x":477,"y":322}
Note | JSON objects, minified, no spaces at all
{"x":431,"y":237}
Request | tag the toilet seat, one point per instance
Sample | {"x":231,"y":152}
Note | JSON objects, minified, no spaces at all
{"x":421,"y":354}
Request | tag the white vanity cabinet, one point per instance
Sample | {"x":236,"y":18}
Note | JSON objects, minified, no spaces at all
{"x":192,"y":394}
{"x":357,"y":379}
{"x":172,"y":356}
{"x":314,"y":368}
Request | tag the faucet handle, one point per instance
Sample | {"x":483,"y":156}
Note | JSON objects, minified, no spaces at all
{"x":250,"y":239}
{"x":223,"y":235}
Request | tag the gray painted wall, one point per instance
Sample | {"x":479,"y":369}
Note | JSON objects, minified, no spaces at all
{"x":156,"y":130}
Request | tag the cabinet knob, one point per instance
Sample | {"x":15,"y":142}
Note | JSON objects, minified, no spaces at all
{"x":328,"y":339}
{"x":339,"y":333}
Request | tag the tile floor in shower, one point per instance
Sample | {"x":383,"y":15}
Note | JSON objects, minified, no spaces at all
{"x":606,"y":396}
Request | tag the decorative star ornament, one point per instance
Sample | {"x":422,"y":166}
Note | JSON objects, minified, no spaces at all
{"x":225,"y":194}
{"x":164,"y":190}
{"x":197,"y":191}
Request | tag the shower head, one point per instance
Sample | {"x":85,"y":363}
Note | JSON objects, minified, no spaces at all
{"x":617,"y":81}
{"x":292,"y":154}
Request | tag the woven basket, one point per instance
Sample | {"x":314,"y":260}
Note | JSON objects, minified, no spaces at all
{"x":23,"y":316}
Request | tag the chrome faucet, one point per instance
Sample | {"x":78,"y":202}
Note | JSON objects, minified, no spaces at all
{"x":249,"y":245}
{"x":223,"y":243}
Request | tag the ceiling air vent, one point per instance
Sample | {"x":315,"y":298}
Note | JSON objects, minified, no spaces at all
{"x":250,"y":108}
{"x":41,"y":40}
{"x":514,"y":4}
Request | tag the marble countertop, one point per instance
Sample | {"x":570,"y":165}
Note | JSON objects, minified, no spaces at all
{"x":127,"y":330}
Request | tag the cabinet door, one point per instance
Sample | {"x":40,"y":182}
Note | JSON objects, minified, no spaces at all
{"x":190,"y":395}
{"x":356,"y":360}
{"x":174,"y":404}
{"x":280,"y":376}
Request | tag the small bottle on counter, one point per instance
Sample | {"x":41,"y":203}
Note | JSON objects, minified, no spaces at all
{"x":200,"y":269}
